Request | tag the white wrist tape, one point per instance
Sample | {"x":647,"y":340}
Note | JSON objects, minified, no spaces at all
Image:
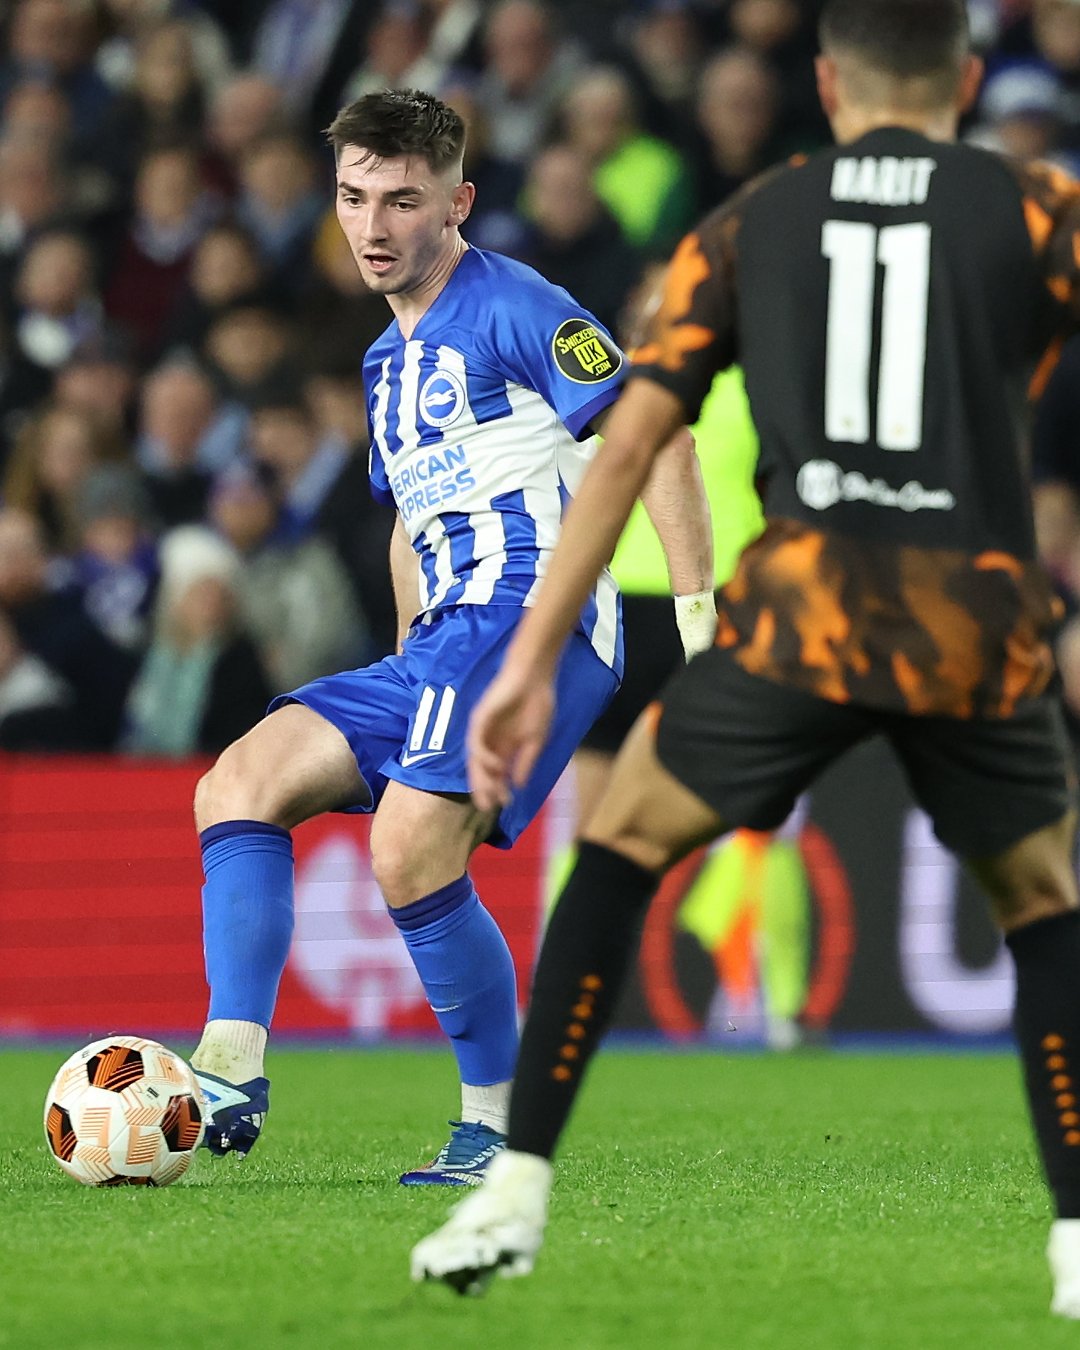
{"x":695,"y":616}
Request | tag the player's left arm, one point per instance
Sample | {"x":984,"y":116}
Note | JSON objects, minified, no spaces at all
{"x":674,"y":496}
{"x":692,"y":337}
{"x":675,"y":499}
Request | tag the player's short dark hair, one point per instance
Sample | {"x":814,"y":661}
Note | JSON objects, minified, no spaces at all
{"x":907,"y":39}
{"x":394,"y":123}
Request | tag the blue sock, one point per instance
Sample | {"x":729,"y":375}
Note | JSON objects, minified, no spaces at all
{"x":468,"y":975}
{"x":247,"y":916}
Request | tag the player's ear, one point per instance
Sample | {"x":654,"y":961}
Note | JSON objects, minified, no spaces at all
{"x":971,"y":80}
{"x":828,"y":93}
{"x":461,"y":204}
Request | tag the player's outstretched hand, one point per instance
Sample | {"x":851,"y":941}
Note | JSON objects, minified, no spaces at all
{"x":506,"y":734}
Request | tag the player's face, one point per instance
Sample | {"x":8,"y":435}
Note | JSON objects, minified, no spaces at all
{"x":399,"y":216}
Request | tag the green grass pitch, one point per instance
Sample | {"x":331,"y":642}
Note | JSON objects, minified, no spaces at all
{"x":814,"y":1202}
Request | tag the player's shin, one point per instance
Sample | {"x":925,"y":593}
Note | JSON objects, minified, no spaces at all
{"x":468,"y":975}
{"x":1047,"y":957}
{"x":247,"y":928}
{"x":588,"y":948}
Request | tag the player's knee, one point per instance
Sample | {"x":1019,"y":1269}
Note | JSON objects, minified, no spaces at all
{"x":1040,"y":894}
{"x":396,"y":867}
{"x":235,"y":788}
{"x":654,"y":855}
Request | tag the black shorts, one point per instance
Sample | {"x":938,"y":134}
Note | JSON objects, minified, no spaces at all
{"x":749,"y":747}
{"x":653,"y":652}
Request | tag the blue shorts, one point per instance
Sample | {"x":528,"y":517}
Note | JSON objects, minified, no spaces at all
{"x":405,"y":717}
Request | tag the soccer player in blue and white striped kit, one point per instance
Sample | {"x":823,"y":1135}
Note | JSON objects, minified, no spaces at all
{"x":483,"y":396}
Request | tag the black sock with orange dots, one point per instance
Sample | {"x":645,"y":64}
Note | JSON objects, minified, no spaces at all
{"x":589,"y":945}
{"x":1047,"y":956}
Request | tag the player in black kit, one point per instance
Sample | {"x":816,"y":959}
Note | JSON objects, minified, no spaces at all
{"x":889,"y":301}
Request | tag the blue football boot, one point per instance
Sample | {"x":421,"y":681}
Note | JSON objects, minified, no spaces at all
{"x":234,"y":1113}
{"x":462,"y":1160}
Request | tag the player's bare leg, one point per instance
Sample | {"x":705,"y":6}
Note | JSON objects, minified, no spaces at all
{"x":1033,"y":893}
{"x":592,"y":774}
{"x":646,"y":821}
{"x":421,"y":843}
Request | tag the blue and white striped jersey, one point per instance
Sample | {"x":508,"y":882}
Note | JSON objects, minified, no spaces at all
{"x":474,"y":424}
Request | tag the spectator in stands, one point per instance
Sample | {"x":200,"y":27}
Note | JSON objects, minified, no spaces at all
{"x":226,"y":267}
{"x":22,"y":387}
{"x":101,"y":378}
{"x":783,"y":33}
{"x":1021,"y":112}
{"x":575,"y":241}
{"x":304,"y":462}
{"x":667,"y":47}
{"x":494,"y":222}
{"x":55,"y":627}
{"x":57,"y":304}
{"x":295,"y":596}
{"x":36,"y":703}
{"x":738,"y":103}
{"x":1056,"y":33}
{"x":53,"y":40}
{"x":242,"y":112}
{"x":164,"y":104}
{"x":37,"y":113}
{"x":528,"y":71}
{"x":201,"y":683}
{"x":281,"y":205}
{"x":397,"y":54}
{"x":642,"y":180}
{"x":115,"y":566}
{"x":454,"y":34}
{"x":308,"y":48}
{"x":247,"y":348}
{"x":172,"y":210}
{"x":53,"y":170}
{"x":131,"y":21}
{"x":30,"y":198}
{"x":186,"y":435}
{"x":53,"y":455}
{"x":357,"y":526}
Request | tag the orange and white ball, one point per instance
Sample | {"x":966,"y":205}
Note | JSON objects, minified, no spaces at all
{"x":124,"y":1111}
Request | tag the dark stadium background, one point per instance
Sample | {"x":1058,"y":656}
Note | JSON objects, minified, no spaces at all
{"x":181,"y":330}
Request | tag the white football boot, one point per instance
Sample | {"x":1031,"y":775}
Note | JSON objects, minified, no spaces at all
{"x":499,"y":1228}
{"x":1063,"y":1252}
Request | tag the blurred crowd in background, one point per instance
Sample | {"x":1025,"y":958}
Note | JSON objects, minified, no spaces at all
{"x":185,"y":526}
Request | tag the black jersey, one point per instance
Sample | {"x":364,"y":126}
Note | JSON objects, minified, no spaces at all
{"x":889,"y":301}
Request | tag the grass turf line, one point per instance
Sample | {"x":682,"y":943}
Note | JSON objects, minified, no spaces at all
{"x":812,"y":1202}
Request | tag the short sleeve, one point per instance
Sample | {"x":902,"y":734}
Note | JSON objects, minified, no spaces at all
{"x":552,"y":345}
{"x":692,"y":334}
{"x":377,"y":480}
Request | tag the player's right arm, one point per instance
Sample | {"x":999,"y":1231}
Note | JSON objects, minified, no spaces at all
{"x":404,"y":579}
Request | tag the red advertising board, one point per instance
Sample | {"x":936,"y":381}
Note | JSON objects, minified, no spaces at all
{"x":852,"y":918}
{"x":100,"y":912}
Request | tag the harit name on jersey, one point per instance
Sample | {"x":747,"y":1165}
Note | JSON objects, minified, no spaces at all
{"x":431,"y":479}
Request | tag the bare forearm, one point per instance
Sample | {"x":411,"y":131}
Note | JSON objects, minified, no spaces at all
{"x":675,"y":499}
{"x":403,"y":577}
